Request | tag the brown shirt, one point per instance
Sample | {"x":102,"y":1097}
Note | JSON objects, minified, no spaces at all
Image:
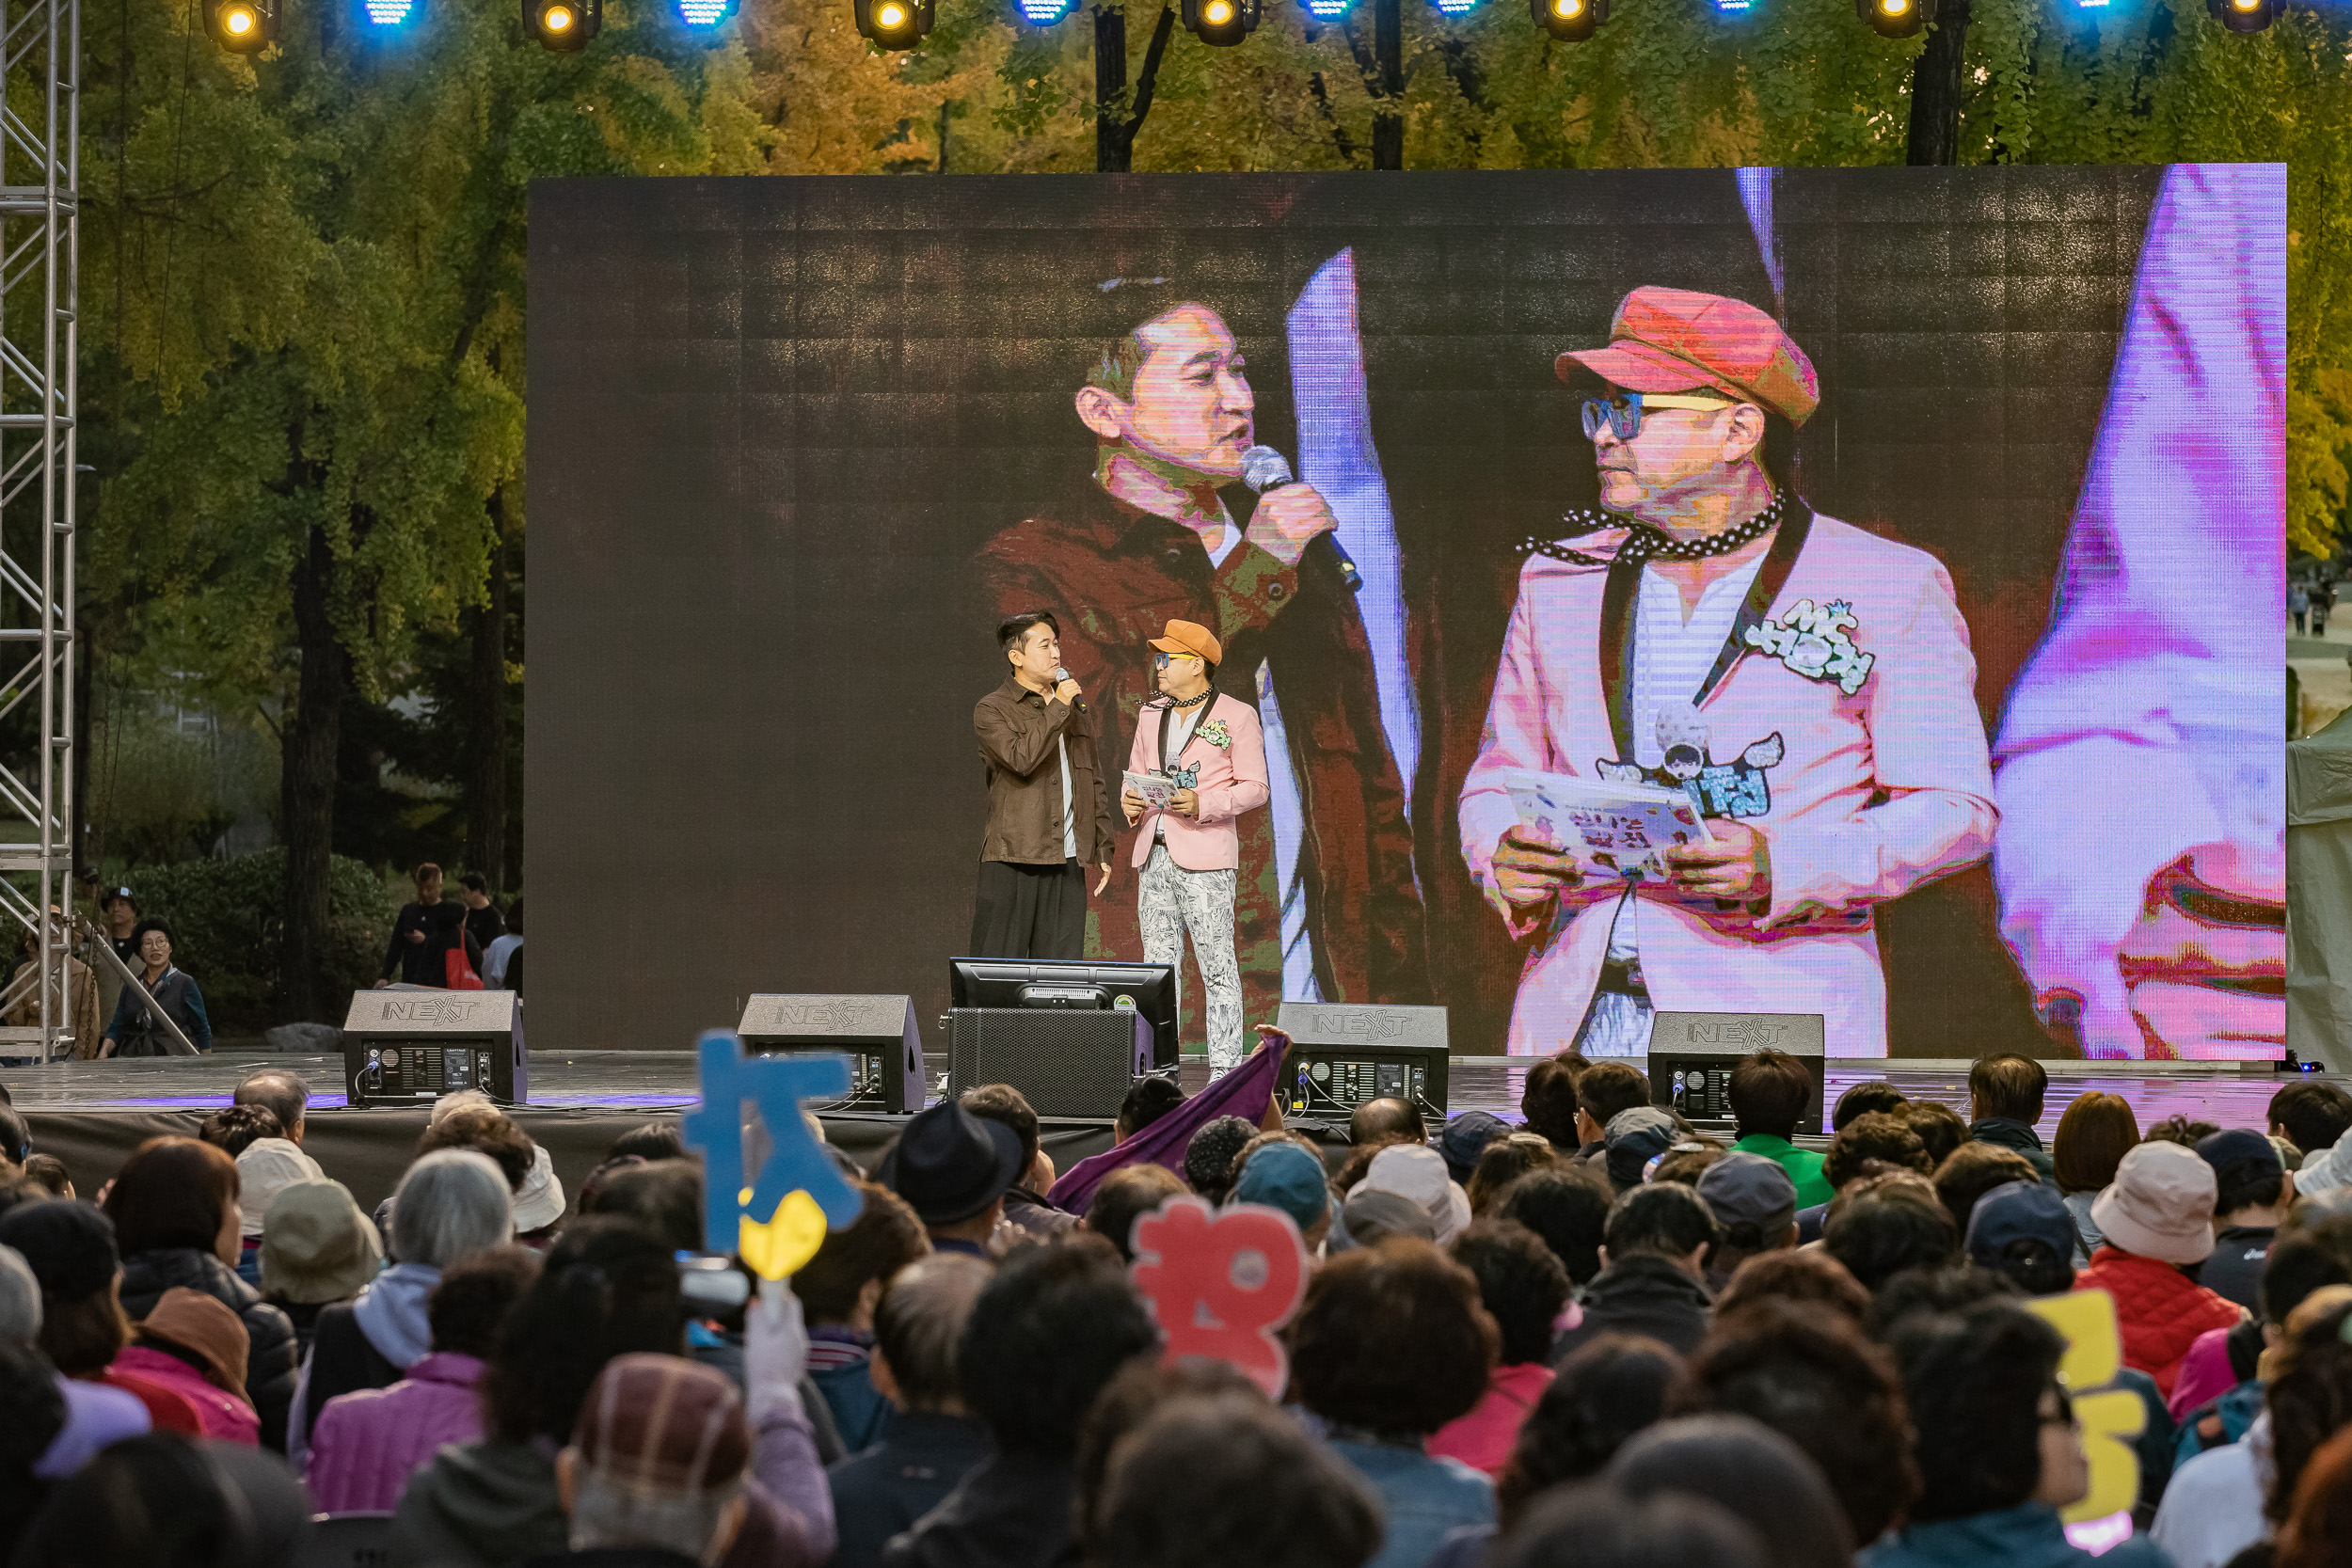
{"x":1017,"y":730}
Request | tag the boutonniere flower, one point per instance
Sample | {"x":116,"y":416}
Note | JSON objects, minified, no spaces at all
{"x":1217,"y":734}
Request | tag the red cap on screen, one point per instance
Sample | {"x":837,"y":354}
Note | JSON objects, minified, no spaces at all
{"x":1679,"y":340}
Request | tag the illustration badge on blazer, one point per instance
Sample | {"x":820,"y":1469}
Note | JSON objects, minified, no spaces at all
{"x":1813,"y":642}
{"x":1737,"y":788}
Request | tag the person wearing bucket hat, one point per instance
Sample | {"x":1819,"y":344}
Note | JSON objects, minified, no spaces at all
{"x":1163,"y":390}
{"x":317,"y":1248}
{"x":953,"y":1168}
{"x":1746,"y":651}
{"x":196,"y":1347}
{"x":1210,"y":750}
{"x":2157,"y":1217}
{"x":1415,"y":1173}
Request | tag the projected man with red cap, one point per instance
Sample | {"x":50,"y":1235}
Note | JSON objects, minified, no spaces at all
{"x":1809,"y":684}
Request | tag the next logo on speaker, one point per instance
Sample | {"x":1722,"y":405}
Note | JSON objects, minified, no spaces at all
{"x":1747,"y":1034}
{"x":431,"y":1009}
{"x":1370,"y":1024}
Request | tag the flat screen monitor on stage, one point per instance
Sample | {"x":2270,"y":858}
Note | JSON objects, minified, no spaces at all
{"x":1917,"y":534}
{"x":1146,"y":989}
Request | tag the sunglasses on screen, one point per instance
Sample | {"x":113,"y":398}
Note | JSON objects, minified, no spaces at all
{"x":1623,"y":411}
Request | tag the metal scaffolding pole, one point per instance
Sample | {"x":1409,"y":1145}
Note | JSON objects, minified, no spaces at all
{"x":40,"y":51}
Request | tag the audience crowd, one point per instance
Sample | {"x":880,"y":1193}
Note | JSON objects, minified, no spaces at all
{"x":1594,"y":1337}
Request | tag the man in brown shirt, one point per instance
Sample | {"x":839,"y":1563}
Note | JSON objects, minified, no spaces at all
{"x":1049,"y":814}
{"x":1147,"y":539}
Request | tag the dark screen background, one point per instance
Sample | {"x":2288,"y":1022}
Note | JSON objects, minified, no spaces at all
{"x":771,"y":419}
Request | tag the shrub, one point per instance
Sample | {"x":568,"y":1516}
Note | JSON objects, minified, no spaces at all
{"x":228,"y":932}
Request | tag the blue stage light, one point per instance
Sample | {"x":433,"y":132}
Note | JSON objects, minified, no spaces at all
{"x":1734,"y":7}
{"x":1328,"y":11}
{"x":1044,"y":13}
{"x":390,"y":13}
{"x":1457,"y":7}
{"x":704,"y":13}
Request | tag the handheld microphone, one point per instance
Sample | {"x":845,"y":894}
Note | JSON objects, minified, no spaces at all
{"x":1061,"y":674}
{"x":1262,"y":468}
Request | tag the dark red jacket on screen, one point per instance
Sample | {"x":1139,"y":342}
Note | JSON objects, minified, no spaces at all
{"x":2160,"y":1309}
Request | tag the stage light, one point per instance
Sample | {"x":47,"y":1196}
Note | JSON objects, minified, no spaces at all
{"x":2243,"y":16}
{"x":242,"y":26}
{"x":895,"y":24}
{"x":1044,"y":13}
{"x":1221,"y":24}
{"x":704,"y":13}
{"x":1328,"y":10}
{"x":564,"y":25}
{"x":1569,"y":21}
{"x":389,"y":13}
{"x":1457,"y":7}
{"x":1892,"y":19}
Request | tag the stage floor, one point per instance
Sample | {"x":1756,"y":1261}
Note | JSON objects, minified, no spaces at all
{"x":93,"y":1114}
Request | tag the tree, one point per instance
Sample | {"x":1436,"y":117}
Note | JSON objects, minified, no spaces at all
{"x":307,"y":275}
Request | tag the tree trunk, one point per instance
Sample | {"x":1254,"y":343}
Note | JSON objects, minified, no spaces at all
{"x":1114,"y":146}
{"x":485,"y":766}
{"x":308,"y":784}
{"x":1388,"y":109}
{"x":1937,"y":86}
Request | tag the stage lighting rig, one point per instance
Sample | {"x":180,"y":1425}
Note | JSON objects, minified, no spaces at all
{"x":388,"y":14}
{"x":1221,"y":24}
{"x":1454,"y":7}
{"x":242,"y":26}
{"x":1893,"y":19}
{"x":1328,"y":11}
{"x":704,"y":13}
{"x":563,"y":25}
{"x":1569,"y":21}
{"x":2243,"y":16}
{"x":895,"y":24}
{"x":1044,"y":13}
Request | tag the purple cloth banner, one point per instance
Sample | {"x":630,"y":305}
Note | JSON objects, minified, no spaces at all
{"x":1243,"y":1092}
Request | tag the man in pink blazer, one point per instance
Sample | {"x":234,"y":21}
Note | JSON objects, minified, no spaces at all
{"x":1808,"y":684}
{"x":1210,"y":747}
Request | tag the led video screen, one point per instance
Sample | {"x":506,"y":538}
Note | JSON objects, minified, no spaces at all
{"x":1913,"y":535}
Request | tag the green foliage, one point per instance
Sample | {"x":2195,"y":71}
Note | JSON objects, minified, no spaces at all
{"x":226,"y":929}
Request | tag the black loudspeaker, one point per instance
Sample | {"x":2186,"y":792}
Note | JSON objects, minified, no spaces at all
{"x":410,"y":1045}
{"x":1692,"y":1056}
{"x":1065,"y":1064}
{"x":1345,"y":1054}
{"x":877,"y":1033}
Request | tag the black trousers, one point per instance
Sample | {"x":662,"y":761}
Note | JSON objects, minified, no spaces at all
{"x":1030,"y":912}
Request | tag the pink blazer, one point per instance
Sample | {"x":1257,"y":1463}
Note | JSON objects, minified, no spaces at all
{"x":1813,"y":754}
{"x":1232,"y":781}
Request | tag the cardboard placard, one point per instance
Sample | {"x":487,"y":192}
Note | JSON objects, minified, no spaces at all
{"x":1220,"y":1281}
{"x":2109,"y":1418}
{"x":776,"y":1215}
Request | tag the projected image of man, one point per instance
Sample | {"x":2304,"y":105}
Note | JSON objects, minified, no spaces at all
{"x":1150,"y":539}
{"x":1807,"y":683}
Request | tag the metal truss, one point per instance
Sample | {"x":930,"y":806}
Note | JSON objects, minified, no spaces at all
{"x":40,"y":49}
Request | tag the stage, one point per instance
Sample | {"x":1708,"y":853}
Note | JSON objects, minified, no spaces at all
{"x":91,"y":1115}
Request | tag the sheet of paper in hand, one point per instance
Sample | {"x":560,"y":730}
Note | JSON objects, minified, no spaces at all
{"x":1155,"y":789}
{"x":1615,"y":830}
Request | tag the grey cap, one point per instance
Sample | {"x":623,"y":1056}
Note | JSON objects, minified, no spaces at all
{"x":20,"y":1299}
{"x":1748,"y":1189}
{"x":1634,"y":1137}
{"x":1373,"y":1216}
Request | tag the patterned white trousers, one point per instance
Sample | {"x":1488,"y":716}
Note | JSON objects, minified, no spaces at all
{"x":1174,"y":901}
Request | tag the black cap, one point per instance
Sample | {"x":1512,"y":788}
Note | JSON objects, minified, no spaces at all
{"x":950,"y":1164}
{"x":1466,"y":1137}
{"x":69,"y":1245}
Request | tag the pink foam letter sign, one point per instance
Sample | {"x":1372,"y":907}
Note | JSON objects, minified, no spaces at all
{"x":1221,"y":1281}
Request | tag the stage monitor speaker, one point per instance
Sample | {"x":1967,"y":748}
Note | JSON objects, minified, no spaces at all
{"x":877,"y":1033}
{"x":409,"y":1045}
{"x":1692,"y":1056}
{"x":1344,"y":1054}
{"x":1065,"y":1064}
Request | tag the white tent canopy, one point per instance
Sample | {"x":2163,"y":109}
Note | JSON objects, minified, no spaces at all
{"x":2319,"y":895}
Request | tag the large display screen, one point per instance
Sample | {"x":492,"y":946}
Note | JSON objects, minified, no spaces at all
{"x":1989,"y":714}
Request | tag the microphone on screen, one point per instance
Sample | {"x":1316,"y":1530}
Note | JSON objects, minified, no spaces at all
{"x":1262,"y":468}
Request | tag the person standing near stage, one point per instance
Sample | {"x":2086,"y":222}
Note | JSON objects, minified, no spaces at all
{"x":417,"y":942}
{"x":1809,"y":685}
{"x":1188,"y":855}
{"x":161,"y":989}
{"x":1049,"y":814}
